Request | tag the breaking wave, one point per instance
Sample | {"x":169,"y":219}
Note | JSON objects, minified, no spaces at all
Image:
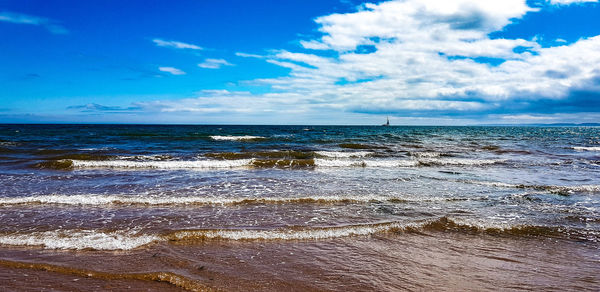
{"x":95,"y":200}
{"x":587,"y":148}
{"x":174,"y":164}
{"x":283,"y":234}
{"x":236,"y":138}
{"x":81,"y":239}
{"x":406,"y":163}
{"x":235,"y":160}
{"x":282,"y":163}
{"x":98,"y":240}
{"x":365,"y":163}
{"x":281,"y":154}
{"x":560,"y":190}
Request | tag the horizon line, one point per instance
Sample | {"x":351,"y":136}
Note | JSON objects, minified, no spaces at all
{"x":316,"y":125}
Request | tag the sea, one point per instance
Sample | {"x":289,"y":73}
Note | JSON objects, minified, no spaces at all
{"x":299,"y":208}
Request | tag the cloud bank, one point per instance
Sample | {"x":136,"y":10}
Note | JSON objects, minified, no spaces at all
{"x":419,"y":59}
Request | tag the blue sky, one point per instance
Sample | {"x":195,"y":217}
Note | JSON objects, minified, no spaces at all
{"x":437,"y":62}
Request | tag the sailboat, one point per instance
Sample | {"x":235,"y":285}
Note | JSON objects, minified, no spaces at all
{"x":387,"y":124}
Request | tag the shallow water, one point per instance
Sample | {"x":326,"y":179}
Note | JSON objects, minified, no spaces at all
{"x":303,"y":208}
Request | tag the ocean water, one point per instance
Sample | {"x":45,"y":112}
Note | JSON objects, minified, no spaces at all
{"x":299,"y":207}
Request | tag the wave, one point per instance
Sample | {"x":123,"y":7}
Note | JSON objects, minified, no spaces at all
{"x":98,"y":240}
{"x":176,"y":164}
{"x":443,"y":224}
{"x":236,"y":138}
{"x":285,"y":233}
{"x":282,"y":163}
{"x":157,"y":163}
{"x":365,"y":163}
{"x":282,"y":154}
{"x":406,"y":163}
{"x":586,"y":148}
{"x":8,"y":143}
{"x":95,"y":200}
{"x":80,"y":239}
{"x":560,"y":190}
{"x":156,"y":157}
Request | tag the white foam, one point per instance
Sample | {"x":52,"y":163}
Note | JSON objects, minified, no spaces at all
{"x":587,"y":148}
{"x":338,"y":154}
{"x":84,"y":239}
{"x":235,"y":138}
{"x":158,"y":157}
{"x":584,"y":188}
{"x":193,"y":164}
{"x":7,"y":143}
{"x":386,"y":163}
{"x":550,"y":188}
{"x":493,"y":184}
{"x":288,"y":234}
{"x":96,"y":200}
{"x":364,"y":163}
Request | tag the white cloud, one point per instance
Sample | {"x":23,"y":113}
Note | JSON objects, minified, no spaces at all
{"x":175,"y":44}
{"x":171,"y":70}
{"x":423,"y":58}
{"x":19,"y":18}
{"x":214,"y":63}
{"x":430,"y":52}
{"x":245,"y":55}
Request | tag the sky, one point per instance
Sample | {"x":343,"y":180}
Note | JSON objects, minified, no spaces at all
{"x":342,"y":62}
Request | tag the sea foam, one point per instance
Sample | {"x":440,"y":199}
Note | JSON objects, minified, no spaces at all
{"x":563,"y":190}
{"x":236,"y":138}
{"x":82,"y":239}
{"x":97,"y":200}
{"x":387,"y":163}
{"x":122,"y":240}
{"x":587,"y":148}
{"x":173,"y":164}
{"x":286,"y":234}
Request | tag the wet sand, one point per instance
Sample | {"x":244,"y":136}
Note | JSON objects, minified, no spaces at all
{"x":441,"y":261}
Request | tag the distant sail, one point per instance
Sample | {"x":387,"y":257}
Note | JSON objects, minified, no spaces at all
{"x":387,"y":123}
